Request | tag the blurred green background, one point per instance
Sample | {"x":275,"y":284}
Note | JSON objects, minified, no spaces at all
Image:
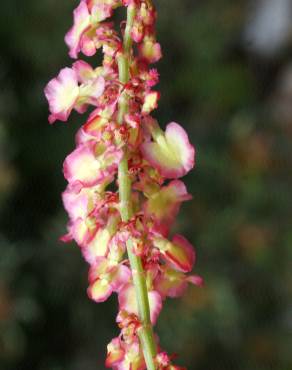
{"x":226,"y":77}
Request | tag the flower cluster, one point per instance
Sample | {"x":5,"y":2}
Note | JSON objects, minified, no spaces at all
{"x":119,"y":127}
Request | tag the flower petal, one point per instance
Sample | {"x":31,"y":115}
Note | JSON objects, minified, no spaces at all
{"x":125,"y":356}
{"x":115,"y":353}
{"x":128,"y":302}
{"x":80,"y":231}
{"x":79,"y":203}
{"x":100,"y":290}
{"x":196,"y":280}
{"x":81,"y":24}
{"x":164,"y":204}
{"x":84,"y":71}
{"x":92,"y":90}
{"x":170,"y":153}
{"x":120,"y":278}
{"x":150,"y":50}
{"x":82,"y":165}
{"x":100,"y":267}
{"x":98,"y":245}
{"x":179,"y":253}
{"x":62,"y":93}
{"x":150,"y":102}
{"x":100,"y":12}
{"x":170,"y":282}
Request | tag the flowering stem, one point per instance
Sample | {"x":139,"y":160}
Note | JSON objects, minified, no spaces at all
{"x":146,"y":332}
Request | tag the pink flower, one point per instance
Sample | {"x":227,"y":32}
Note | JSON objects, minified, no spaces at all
{"x":90,"y":164}
{"x":163,"y":361}
{"x":81,"y":24}
{"x":171,"y":153}
{"x":112,"y":3}
{"x":150,"y":102}
{"x":128,"y":302}
{"x":122,"y":146}
{"x":173,"y":283}
{"x":89,"y":93}
{"x":98,"y":128}
{"x":83,"y":166}
{"x":84,"y":71}
{"x":87,"y":18}
{"x":179,"y":253}
{"x":106,"y":277}
{"x":62,"y":93}
{"x":79,"y":202}
{"x":163,"y":205}
{"x":150,"y":50}
{"x":124,"y":356}
{"x":98,"y":244}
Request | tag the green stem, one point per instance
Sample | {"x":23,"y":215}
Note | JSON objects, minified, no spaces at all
{"x":139,"y":279}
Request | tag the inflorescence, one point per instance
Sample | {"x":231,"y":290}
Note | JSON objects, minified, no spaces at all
{"x":123,"y":191}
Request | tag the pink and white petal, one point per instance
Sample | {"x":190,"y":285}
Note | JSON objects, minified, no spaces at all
{"x":121,"y":277}
{"x":83,"y":70}
{"x":196,"y":280}
{"x":92,"y":90}
{"x":155,"y":302}
{"x":94,"y":125}
{"x":100,"y":12}
{"x":82,"y":137}
{"x":92,"y":130}
{"x":150,"y":50}
{"x":77,"y":204}
{"x":97,"y":246}
{"x":164,"y":204}
{"x":134,"y":358}
{"x":150,"y":102}
{"x":170,"y":283}
{"x":171,"y":154}
{"x":87,"y":46}
{"x":105,"y":112}
{"x":97,"y":87}
{"x":123,"y":355}
{"x":115,"y":353}
{"x":80,"y":106}
{"x":177,"y":190}
{"x":80,"y":231}
{"x":117,"y":245}
{"x":100,"y":267}
{"x":180,"y":254}
{"x":81,"y":165}
{"x":128,"y":302}
{"x":100,"y":290}
{"x":81,"y":24}
{"x":127,"y":299}
{"x":112,"y":159}
{"x":62,"y":93}
{"x":177,"y":290}
{"x":177,"y":138}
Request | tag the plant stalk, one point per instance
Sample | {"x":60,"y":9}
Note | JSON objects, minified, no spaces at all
{"x":139,"y":279}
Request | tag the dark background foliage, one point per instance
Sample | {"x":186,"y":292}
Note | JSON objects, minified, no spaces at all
{"x":226,"y":77}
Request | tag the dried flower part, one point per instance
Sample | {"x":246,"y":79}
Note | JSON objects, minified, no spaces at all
{"x":121,"y":127}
